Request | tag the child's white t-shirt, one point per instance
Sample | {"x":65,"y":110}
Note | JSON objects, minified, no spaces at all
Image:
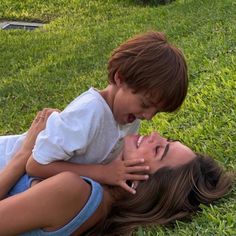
{"x":85,"y":132}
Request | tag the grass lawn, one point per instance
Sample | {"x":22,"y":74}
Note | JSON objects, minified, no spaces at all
{"x":50,"y":66}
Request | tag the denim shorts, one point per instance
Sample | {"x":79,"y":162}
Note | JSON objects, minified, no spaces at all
{"x":22,"y":185}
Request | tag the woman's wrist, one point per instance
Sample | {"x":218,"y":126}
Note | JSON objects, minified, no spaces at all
{"x":23,"y":153}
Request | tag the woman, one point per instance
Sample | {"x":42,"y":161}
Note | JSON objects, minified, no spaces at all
{"x":67,"y":204}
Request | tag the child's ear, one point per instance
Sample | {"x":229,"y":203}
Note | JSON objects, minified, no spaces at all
{"x":118,"y":80}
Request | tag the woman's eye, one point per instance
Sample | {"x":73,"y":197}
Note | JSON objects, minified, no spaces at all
{"x":157,"y":149}
{"x":171,"y":140}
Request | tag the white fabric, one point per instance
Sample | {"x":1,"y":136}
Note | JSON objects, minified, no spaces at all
{"x":8,"y":146}
{"x":85,"y":132}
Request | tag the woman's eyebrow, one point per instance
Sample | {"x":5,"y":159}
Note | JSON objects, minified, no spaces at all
{"x":165,"y":151}
{"x":173,"y":140}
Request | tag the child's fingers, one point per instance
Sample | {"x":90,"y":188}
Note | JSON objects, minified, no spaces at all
{"x":126,"y":187}
{"x":133,"y":169}
{"x":135,"y":165}
{"x":132,"y":162}
{"x":136,"y":177}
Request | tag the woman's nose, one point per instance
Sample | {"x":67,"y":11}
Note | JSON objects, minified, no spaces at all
{"x":155,"y":136}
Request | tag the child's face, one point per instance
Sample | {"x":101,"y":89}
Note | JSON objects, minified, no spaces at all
{"x":128,"y":106}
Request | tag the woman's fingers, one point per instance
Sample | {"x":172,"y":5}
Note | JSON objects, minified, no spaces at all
{"x":48,"y":111}
{"x":39,"y":122}
{"x":37,"y":117}
{"x":45,"y":113}
{"x":42,"y":116}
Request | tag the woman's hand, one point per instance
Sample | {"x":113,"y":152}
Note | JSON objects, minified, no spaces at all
{"x":38,"y":124}
{"x":119,"y":171}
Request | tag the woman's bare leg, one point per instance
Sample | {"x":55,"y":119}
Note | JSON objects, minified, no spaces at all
{"x":49,"y":205}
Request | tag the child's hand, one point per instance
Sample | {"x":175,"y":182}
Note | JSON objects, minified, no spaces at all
{"x":118,"y":172}
{"x":130,"y":154}
{"x":38,"y":124}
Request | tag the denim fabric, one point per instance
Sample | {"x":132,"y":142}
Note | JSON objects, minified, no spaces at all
{"x":22,"y":185}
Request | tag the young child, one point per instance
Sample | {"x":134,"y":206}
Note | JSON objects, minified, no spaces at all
{"x":146,"y":75}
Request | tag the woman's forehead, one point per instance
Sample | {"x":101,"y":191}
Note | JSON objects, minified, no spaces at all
{"x":181,"y":151}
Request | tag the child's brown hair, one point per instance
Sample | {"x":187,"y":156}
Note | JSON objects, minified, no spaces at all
{"x":149,"y":64}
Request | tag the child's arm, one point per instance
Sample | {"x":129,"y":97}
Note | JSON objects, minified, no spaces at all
{"x":115,"y":173}
{"x":67,"y":134}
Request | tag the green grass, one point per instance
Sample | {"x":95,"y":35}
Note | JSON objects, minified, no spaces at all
{"x":49,"y":67}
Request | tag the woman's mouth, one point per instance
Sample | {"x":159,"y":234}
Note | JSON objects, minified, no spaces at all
{"x":140,"y":139}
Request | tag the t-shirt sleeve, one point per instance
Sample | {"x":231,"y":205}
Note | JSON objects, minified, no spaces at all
{"x":66,"y":132}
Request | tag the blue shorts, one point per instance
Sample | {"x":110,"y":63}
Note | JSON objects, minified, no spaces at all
{"x":22,"y":185}
{"x":87,"y":211}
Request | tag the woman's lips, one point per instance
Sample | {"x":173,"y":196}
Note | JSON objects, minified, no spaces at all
{"x":140,"y":139}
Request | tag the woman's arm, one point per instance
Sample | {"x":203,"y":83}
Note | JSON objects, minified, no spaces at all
{"x":16,"y":167}
{"x":12,"y":172}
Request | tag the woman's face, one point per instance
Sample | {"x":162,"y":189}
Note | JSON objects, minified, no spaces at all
{"x":157,"y":151}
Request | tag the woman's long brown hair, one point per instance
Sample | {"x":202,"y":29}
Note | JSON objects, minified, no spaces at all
{"x":170,"y":194}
